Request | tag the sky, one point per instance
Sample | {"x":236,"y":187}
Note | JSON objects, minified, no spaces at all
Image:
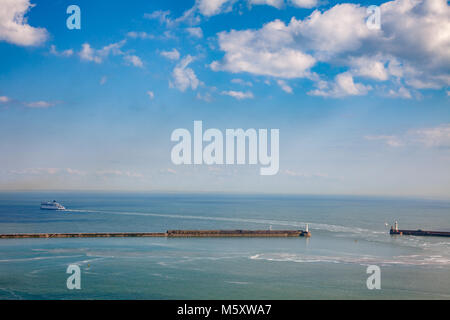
{"x":360,"y":110}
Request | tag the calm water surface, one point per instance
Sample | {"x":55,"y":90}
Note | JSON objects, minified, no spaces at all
{"x":348,"y":234}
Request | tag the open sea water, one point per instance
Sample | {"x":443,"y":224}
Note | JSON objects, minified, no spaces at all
{"x":348,"y":234}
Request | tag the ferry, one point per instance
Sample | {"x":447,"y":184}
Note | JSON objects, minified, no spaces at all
{"x":49,"y":205}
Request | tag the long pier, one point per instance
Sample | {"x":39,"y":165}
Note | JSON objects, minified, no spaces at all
{"x":420,"y":233}
{"x":168,"y":234}
{"x":238,"y":233}
{"x":396,"y":231}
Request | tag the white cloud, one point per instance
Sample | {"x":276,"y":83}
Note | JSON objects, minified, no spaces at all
{"x":119,"y":173}
{"x":205,"y":97}
{"x":195,"y":32}
{"x":14,"y":27}
{"x":170,"y":170}
{"x":402,"y":92}
{"x":369,"y":67}
{"x":266,"y":51}
{"x":75,"y":172}
{"x":392,"y":141}
{"x":160,"y":15}
{"x":65,"y":53}
{"x":40,"y":104}
{"x":411,"y":48}
{"x":36,"y":171}
{"x":213,"y":7}
{"x":184,"y":77}
{"x":140,"y":35}
{"x":210,"y":8}
{"x":438,"y":137}
{"x":189,"y":17}
{"x":304,"y":3}
{"x":284,"y":86}
{"x":88,"y":53}
{"x":47,"y":171}
{"x":433,"y":137}
{"x":242,"y":82}
{"x":172,"y":55}
{"x":150,"y":94}
{"x":342,"y":86}
{"x":134,"y":60}
{"x":238,"y":94}
{"x":274,"y":3}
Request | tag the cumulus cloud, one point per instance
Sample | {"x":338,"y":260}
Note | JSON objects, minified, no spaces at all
{"x":411,"y":48}
{"x":238,"y":94}
{"x":242,"y":82}
{"x":160,"y":15}
{"x":189,"y":17}
{"x":87,"y":53}
{"x":267,"y":51}
{"x":172,"y":55}
{"x":184,"y":77}
{"x":213,"y":7}
{"x":402,"y":92}
{"x":304,"y":3}
{"x":343,"y":85}
{"x":14,"y":27}
{"x":64,"y":53}
{"x":204,"y":97}
{"x":369,"y":67}
{"x":195,"y":32}
{"x":274,"y":3}
{"x":140,"y":35}
{"x":134,"y":60}
{"x":284,"y":86}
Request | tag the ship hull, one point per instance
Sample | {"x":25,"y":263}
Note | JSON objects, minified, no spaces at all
{"x":54,"y":208}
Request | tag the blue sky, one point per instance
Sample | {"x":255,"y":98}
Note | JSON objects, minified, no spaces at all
{"x":360,"y":110}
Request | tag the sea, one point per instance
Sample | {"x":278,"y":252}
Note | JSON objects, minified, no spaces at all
{"x":348,"y":234}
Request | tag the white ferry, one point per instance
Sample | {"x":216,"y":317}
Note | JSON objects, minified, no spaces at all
{"x":51,"y":205}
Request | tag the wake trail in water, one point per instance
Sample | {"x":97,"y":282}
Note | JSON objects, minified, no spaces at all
{"x":299,"y":224}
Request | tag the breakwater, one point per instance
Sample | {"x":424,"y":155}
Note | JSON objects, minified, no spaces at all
{"x":396,"y":231}
{"x":420,"y":233}
{"x":168,"y":234}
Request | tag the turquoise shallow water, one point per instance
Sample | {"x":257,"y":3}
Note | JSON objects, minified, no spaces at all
{"x":348,"y":234}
